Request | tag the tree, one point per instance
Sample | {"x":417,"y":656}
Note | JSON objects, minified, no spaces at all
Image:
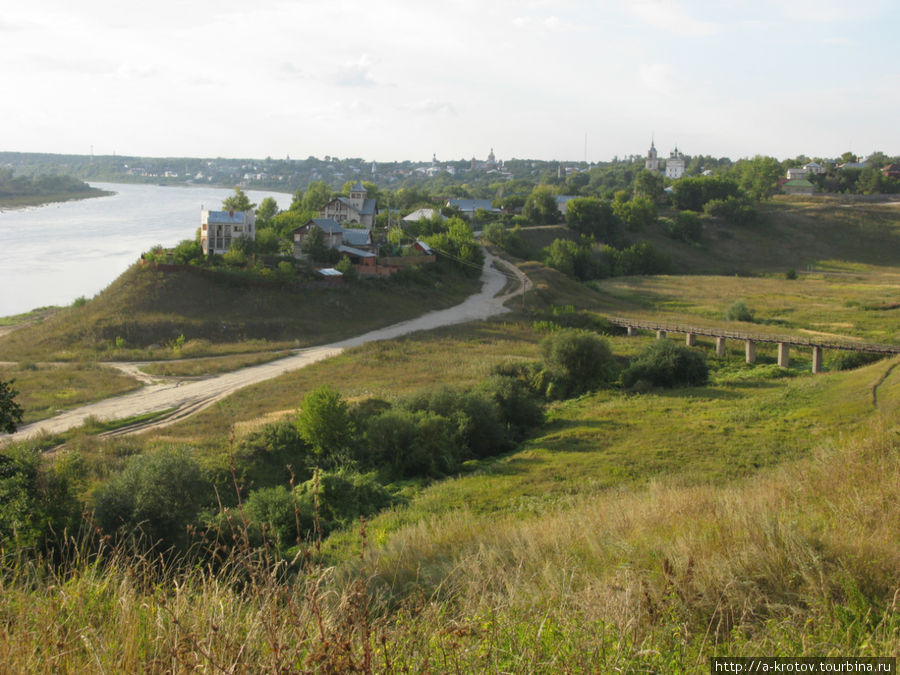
{"x":540,"y":207}
{"x":238,"y":202}
{"x":267,"y":210}
{"x":665,"y":364}
{"x":648,"y":184}
{"x":324,"y":423}
{"x":577,"y":360}
{"x":317,"y":196}
{"x":296,"y":200}
{"x":758,"y":177}
{"x":158,"y":494}
{"x":593,"y":217}
{"x":10,"y":411}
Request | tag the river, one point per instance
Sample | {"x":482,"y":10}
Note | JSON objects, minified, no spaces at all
{"x":53,"y":254}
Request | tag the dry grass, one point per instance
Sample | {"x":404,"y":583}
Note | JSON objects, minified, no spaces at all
{"x":46,"y":389}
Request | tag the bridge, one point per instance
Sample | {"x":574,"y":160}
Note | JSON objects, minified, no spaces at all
{"x":784,"y":342}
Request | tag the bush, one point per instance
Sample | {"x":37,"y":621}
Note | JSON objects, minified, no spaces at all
{"x":187,"y":251}
{"x":519,"y":409}
{"x":664,"y":364}
{"x":738,"y":311}
{"x":343,"y":497}
{"x":576,"y":361}
{"x":732,"y":210}
{"x":158,"y":496}
{"x":852,"y":360}
{"x":685,"y":226}
{"x":263,"y":457}
{"x":412,"y":443}
{"x":481,"y":431}
{"x":324,"y":423}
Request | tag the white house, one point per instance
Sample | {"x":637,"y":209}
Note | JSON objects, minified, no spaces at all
{"x":354,"y":209}
{"x":422,"y":214}
{"x":815,"y":168}
{"x":219,"y":228}
{"x":796,"y":172}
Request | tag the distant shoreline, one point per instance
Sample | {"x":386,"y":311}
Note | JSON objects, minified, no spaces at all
{"x":27,"y":201}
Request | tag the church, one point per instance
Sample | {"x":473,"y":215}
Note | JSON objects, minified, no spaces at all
{"x":675,"y":165}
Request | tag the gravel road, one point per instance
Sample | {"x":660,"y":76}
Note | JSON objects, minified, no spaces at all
{"x":186,"y":397}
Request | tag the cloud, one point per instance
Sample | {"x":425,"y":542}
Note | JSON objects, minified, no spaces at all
{"x":669,"y":15}
{"x":354,"y":74}
{"x":550,"y":23}
{"x":131,"y":71}
{"x":432,"y":107}
{"x":289,"y":71}
{"x":658,"y":77}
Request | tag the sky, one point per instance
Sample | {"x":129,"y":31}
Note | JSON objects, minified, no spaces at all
{"x":407,"y":79}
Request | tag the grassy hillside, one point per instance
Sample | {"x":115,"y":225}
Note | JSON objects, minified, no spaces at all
{"x":791,"y":234}
{"x":631,"y":531}
{"x":143,"y":313}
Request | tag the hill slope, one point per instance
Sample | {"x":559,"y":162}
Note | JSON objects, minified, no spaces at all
{"x":146,"y":310}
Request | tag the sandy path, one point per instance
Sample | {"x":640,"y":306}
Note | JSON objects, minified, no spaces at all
{"x":187,"y":397}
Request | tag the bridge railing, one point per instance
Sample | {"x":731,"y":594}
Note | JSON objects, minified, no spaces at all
{"x":846,"y":345}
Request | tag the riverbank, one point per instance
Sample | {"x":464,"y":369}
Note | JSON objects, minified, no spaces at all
{"x":26,"y":201}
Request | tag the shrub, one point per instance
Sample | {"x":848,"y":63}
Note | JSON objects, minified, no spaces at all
{"x":665,"y":364}
{"x":685,"y":226}
{"x":576,"y":361}
{"x":272,"y":511}
{"x":343,"y":496}
{"x":732,"y":210}
{"x":324,"y":423}
{"x":187,"y":252}
{"x":519,"y":409}
{"x":738,"y":311}
{"x":481,"y":431}
{"x":412,"y":443}
{"x":158,"y":495}
{"x":263,"y":457}
{"x":851,"y":360}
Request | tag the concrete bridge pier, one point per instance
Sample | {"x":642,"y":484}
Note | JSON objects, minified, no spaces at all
{"x":690,"y":339}
{"x":817,"y":360}
{"x":750,"y":351}
{"x":720,"y":347}
{"x":784,"y":357}
{"x":660,"y":334}
{"x":630,"y":331}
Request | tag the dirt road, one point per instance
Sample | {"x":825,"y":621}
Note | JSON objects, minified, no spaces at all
{"x":186,"y":397}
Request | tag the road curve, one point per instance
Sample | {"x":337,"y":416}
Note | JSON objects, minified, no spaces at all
{"x":183,"y":398}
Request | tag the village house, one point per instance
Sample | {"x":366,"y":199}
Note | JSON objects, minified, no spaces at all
{"x":562,"y":202}
{"x":332,"y":231}
{"x":815,"y":168}
{"x":422,"y":214}
{"x":468,"y":207}
{"x":891,"y":171}
{"x":218,"y":229}
{"x":357,"y":208}
{"x":796,"y":172}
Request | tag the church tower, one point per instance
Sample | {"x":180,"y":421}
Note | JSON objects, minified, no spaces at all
{"x":652,"y":161}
